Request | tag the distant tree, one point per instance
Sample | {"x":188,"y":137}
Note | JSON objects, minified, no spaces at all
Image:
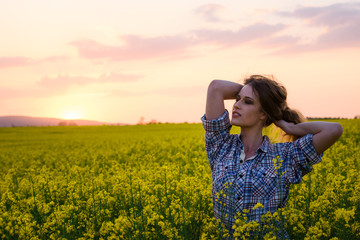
{"x":62,"y":123}
{"x":72,"y":124}
{"x":153,"y":121}
{"x":357,"y":117}
{"x":141,"y":121}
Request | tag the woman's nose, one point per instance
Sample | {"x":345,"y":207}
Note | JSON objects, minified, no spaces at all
{"x":237,"y":104}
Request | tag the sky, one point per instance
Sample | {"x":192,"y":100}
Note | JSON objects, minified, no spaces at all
{"x":121,"y":61}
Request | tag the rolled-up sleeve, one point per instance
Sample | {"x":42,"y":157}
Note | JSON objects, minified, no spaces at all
{"x":216,"y":131}
{"x":302,"y":156}
{"x":219,"y":124}
{"x":307,"y":147}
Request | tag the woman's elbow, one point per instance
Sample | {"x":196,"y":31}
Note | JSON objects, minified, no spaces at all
{"x":336,"y":130}
{"x":214,"y":85}
{"x":326,"y":138}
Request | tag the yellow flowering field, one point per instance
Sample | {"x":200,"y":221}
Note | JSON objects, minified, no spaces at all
{"x":153,"y":182}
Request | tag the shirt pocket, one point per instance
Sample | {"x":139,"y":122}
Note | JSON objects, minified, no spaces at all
{"x":224,"y":174}
{"x":238,"y":186}
{"x":264,"y":183}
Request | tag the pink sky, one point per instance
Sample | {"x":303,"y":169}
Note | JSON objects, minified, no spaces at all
{"x":118,"y":61}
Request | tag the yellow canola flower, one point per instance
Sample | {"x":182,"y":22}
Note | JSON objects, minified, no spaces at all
{"x":258,"y":205}
{"x":344,"y":214}
{"x":118,"y":182}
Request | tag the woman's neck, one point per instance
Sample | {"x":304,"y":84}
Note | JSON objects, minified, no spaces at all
{"x":251,"y":139}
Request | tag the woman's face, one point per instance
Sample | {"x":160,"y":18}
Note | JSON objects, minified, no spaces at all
{"x":247,"y":109}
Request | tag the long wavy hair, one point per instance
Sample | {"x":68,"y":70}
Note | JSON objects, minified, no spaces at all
{"x":272,"y":96}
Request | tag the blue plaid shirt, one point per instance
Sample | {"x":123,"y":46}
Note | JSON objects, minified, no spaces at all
{"x":240,"y":184}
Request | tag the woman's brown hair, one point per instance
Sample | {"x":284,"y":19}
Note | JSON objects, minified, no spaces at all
{"x":272,"y":97}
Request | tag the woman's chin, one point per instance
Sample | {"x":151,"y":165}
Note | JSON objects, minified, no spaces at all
{"x":235,"y":123}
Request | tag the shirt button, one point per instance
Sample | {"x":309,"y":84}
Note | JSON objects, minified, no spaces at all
{"x":239,"y":198}
{"x":241,"y":161}
{"x":241,"y":175}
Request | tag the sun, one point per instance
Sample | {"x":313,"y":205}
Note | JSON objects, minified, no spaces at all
{"x":72,"y":114}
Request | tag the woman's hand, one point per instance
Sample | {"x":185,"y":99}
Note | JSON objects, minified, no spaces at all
{"x":285,"y":126}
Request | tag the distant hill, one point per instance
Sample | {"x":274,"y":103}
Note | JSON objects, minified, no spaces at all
{"x":24,"y":121}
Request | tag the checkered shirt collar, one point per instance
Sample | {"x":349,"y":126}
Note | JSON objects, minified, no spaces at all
{"x":263,"y":147}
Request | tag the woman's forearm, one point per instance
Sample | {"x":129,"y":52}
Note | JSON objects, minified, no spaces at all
{"x":304,"y":128}
{"x":227,"y":89}
{"x":218,"y":91}
{"x":325,"y":133}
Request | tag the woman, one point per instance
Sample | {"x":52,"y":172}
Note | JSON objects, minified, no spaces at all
{"x":246,"y":168}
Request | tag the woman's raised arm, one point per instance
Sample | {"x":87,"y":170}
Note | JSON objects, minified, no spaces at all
{"x":325,"y":133}
{"x":218,"y":91}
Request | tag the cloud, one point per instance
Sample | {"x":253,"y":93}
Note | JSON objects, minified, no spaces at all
{"x":135,"y":47}
{"x":331,"y":16}
{"x":339,"y":21}
{"x":48,"y":86}
{"x":246,"y":34}
{"x":23,"y":92}
{"x":53,"y":59}
{"x":66,"y":81}
{"x":8,"y":62}
{"x":173,"y":47}
{"x":210,"y":12}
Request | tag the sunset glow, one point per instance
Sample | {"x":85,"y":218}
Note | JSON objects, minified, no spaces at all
{"x":119,"y":61}
{"x":72,"y":114}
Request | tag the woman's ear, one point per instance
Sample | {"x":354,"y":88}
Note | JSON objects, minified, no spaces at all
{"x":263,"y":115}
{"x":263,"y":118}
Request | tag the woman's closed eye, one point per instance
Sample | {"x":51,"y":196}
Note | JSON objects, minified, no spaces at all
{"x":246,"y":100}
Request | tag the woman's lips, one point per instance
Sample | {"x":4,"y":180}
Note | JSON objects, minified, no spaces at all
{"x":236,"y":114}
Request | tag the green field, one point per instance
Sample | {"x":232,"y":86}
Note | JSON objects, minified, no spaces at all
{"x":151,"y":182}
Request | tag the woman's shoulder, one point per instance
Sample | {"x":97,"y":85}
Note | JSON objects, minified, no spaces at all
{"x":275,"y":147}
{"x":294,"y":146}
